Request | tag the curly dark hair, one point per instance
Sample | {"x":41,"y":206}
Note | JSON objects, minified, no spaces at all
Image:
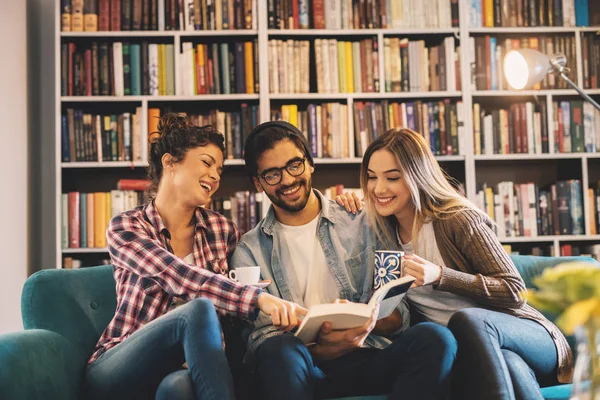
{"x":176,"y":135}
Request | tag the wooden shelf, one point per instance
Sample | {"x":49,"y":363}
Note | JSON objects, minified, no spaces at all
{"x":85,"y":250}
{"x":361,"y":32}
{"x":465,"y":166}
{"x":128,"y":34}
{"x":364,"y":95}
{"x":550,"y":238}
{"x":200,"y":97}
{"x":555,"y":156}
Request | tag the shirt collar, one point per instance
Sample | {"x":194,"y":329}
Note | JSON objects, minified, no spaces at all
{"x":158,"y":223}
{"x":326,"y":212}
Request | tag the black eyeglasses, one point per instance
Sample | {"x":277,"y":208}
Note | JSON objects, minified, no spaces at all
{"x":294,"y":168}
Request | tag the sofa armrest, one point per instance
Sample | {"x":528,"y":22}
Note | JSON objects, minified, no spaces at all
{"x":39,"y":364}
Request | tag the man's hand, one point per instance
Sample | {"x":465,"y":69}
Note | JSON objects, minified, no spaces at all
{"x":332,"y":344}
{"x":425,"y":272}
{"x":285,"y":314}
{"x":388,"y":325}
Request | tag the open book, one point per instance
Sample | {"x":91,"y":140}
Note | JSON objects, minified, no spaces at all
{"x":352,"y":315}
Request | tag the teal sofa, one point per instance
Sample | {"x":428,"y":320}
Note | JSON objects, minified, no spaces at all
{"x":66,"y":311}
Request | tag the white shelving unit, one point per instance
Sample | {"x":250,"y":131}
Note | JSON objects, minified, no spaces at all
{"x":467,"y":160}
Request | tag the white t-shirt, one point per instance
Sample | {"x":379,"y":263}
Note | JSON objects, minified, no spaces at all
{"x":435,"y":305}
{"x":315,"y":281}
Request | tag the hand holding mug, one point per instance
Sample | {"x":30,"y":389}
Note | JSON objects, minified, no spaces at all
{"x":425,"y":272}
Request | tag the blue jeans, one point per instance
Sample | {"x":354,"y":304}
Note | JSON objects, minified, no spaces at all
{"x":153,"y":357}
{"x":501,"y":356}
{"x":417,"y":365}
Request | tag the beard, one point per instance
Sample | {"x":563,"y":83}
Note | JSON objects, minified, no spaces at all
{"x":296,"y":205}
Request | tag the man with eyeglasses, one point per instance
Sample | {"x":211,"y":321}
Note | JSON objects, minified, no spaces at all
{"x":315,"y":252}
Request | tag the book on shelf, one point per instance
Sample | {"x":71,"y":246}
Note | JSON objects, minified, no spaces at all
{"x":528,"y":210}
{"x":440,"y":122}
{"x":532,"y":13}
{"x":352,"y":315}
{"x":520,"y":128}
{"x":590,"y":57}
{"x":349,"y":14}
{"x":324,"y":125}
{"x":120,"y":68}
{"x":218,"y":68}
{"x":102,"y":68}
{"x":576,"y":127}
{"x":102,"y":138}
{"x":339,"y":66}
{"x":153,"y":15}
{"x":244,"y":208}
{"x":234,"y":125}
{"x":568,"y":250}
{"x":139,"y":185}
{"x":534,"y":250}
{"x":85,"y":216}
{"x":71,"y":262}
{"x":373,"y":63}
{"x":414,"y":66}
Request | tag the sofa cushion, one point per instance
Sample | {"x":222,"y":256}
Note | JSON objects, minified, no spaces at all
{"x":560,"y":392}
{"x":78,"y":304}
{"x":531,"y":266}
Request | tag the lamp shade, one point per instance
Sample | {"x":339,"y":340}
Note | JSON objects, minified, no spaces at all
{"x":524,"y":68}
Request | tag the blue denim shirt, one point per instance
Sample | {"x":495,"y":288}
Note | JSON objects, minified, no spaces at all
{"x":349,"y":245}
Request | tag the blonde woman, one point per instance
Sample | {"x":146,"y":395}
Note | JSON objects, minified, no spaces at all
{"x":465,"y":279}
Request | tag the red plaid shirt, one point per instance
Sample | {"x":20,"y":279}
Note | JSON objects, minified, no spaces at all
{"x":149,"y":276}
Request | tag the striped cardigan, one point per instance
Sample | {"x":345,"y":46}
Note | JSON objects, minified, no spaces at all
{"x":478,"y":267}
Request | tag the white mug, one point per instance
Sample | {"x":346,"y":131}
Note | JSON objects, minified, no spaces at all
{"x":245,"y":275}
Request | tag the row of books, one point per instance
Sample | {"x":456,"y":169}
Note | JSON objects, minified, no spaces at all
{"x":234,"y":125}
{"x":361,"y":14}
{"x":347,"y":67}
{"x":412,"y":66}
{"x":540,"y":251}
{"x":522,"y":128}
{"x":566,"y":250}
{"x":70,"y":262}
{"x":289,"y":65}
{"x":505,"y":13}
{"x":353,"y":67}
{"x":590,"y":57}
{"x":244,"y":208}
{"x":218,"y":68}
{"x":488,"y":52}
{"x":85,"y":216}
{"x":135,"y":15}
{"x":440,"y":123}
{"x":576,"y":127}
{"x":117,"y":69}
{"x":325,"y":126}
{"x":95,"y":137}
{"x":526,"y":209}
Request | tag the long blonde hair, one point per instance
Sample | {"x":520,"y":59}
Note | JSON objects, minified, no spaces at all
{"x":432,"y":194}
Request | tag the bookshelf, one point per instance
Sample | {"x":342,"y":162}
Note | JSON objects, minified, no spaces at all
{"x":464,"y":164}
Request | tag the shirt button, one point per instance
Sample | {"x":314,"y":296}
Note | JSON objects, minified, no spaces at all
{"x":94,"y":305}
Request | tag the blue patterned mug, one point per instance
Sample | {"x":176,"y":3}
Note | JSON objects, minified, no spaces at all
{"x":388,"y":267}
